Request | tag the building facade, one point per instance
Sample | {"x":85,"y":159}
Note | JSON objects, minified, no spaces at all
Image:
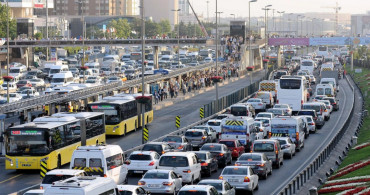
{"x":360,"y":25}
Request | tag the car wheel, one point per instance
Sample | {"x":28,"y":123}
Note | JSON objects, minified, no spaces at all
{"x":265,"y":175}
{"x":270,"y":173}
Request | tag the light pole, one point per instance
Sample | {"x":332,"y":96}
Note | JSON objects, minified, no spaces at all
{"x":266,"y":38}
{"x":81,"y":2}
{"x":217,"y":54}
{"x":250,"y":35}
{"x":207,"y":11}
{"x":7,"y":49}
{"x":178,"y":35}
{"x":281,"y":20}
{"x":142,"y":65}
{"x":233,"y":15}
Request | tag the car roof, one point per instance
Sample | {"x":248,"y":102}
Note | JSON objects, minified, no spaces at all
{"x":258,"y":153}
{"x":263,"y":140}
{"x":159,"y":171}
{"x":195,"y":130}
{"x":177,"y":153}
{"x":212,"y":181}
{"x":155,"y":143}
{"x":196,"y":187}
{"x":143,"y":152}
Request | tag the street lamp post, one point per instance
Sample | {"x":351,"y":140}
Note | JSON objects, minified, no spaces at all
{"x":250,"y":35}
{"x":47,"y":29}
{"x":216,"y":56}
{"x":178,"y":35}
{"x":266,"y":34}
{"x":142,"y":65}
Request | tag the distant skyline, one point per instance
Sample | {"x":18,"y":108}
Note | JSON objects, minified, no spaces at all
{"x":240,"y":7}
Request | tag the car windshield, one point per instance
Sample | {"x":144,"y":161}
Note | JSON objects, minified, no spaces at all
{"x":306,"y":63}
{"x":26,"y":142}
{"x":220,"y":117}
{"x":173,"y":139}
{"x":235,"y":171}
{"x":152,"y":147}
{"x":32,"y":73}
{"x":275,"y":111}
{"x":228,"y":143}
{"x":263,"y":115}
{"x":193,"y":192}
{"x":173,"y":161}
{"x":239,"y":111}
{"x":250,"y":157}
{"x":14,"y":71}
{"x":49,"y":179}
{"x":320,"y":91}
{"x":156,"y":176}
{"x":282,"y":142}
{"x":202,"y":156}
{"x":140,"y":157}
{"x":254,"y":100}
{"x":263,"y":147}
{"x":22,"y":82}
{"x":211,"y":147}
{"x":312,"y":107}
{"x":57,"y":80}
{"x":193,"y":134}
{"x":54,"y":71}
{"x":330,"y":99}
{"x":305,"y":113}
{"x":218,"y":186}
{"x":129,"y":71}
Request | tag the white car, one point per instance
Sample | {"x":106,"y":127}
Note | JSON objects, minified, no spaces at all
{"x":131,"y":190}
{"x":29,"y":92}
{"x":257,"y":103}
{"x":34,"y":192}
{"x":223,"y":187}
{"x":198,"y":190}
{"x":37,"y":82}
{"x":328,"y":105}
{"x":265,"y":115}
{"x":13,"y":97}
{"x":161,"y":181}
{"x":12,"y":86}
{"x":142,"y":161}
{"x":262,"y":132}
{"x":241,"y":177}
{"x":215,"y":124}
{"x":208,"y":60}
{"x":287,"y":146}
{"x":285,"y":107}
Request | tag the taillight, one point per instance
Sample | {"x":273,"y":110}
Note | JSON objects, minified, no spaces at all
{"x":311,"y":123}
{"x":301,"y":102}
{"x":220,"y":177}
{"x":261,"y":165}
{"x":105,"y":175}
{"x":221,"y":154}
{"x":180,"y":147}
{"x":260,"y":104}
{"x":41,"y":187}
{"x":141,"y":183}
{"x":246,"y":179}
{"x":187,"y":171}
{"x":297,"y":136}
{"x":163,"y":152}
{"x":270,"y":134}
{"x":151,"y":163}
{"x":167,"y":183}
{"x":204,"y":137}
{"x":334,"y":103}
{"x":277,"y":101}
{"x":204,"y":164}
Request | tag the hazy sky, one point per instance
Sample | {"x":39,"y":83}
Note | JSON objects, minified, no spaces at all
{"x":240,"y":7}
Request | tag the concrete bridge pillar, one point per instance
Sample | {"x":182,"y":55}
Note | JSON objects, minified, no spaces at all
{"x":156,"y":52}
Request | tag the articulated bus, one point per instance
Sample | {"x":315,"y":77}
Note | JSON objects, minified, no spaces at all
{"x":122,"y":113}
{"x":292,"y":91}
{"x":51,"y":139}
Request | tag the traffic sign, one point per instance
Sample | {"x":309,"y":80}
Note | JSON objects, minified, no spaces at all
{"x":201,"y":113}
{"x":177,"y":121}
{"x":145,"y":134}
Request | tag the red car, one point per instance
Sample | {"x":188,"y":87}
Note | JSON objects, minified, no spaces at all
{"x":24,"y":83}
{"x":235,"y":146}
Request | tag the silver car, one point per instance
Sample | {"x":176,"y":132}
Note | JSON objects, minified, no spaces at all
{"x":211,"y":132}
{"x":241,"y":177}
{"x":287,"y":146}
{"x":161,"y":181}
{"x":178,"y":142}
{"x":258,"y":162}
{"x":222,"y":187}
{"x":311,"y":126}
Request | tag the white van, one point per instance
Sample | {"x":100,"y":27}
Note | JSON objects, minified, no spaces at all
{"x":290,"y":126}
{"x":58,"y":175}
{"x":330,"y":81}
{"x":57,"y":69}
{"x":308,"y":65}
{"x":111,"y":57}
{"x":18,"y":72}
{"x":325,"y":89}
{"x":186,"y":164}
{"x":101,"y":160}
{"x":62,"y":79}
{"x":83,"y":186}
{"x":242,"y":109}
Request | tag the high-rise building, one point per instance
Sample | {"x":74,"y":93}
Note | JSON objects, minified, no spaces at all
{"x":162,"y":9}
{"x":131,"y":7}
{"x":360,"y":24}
{"x":25,"y":8}
{"x":185,"y":8}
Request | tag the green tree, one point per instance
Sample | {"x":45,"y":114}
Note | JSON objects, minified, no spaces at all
{"x":135,"y":27}
{"x":38,"y":35}
{"x":152,"y":28}
{"x":94,"y":32}
{"x":122,"y":28}
{"x":3,"y":23}
{"x":165,"y":26}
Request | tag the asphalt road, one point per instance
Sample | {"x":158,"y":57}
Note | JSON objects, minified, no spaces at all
{"x":164,"y":122}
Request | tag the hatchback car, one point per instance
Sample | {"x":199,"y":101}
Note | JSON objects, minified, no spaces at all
{"x":334,"y":103}
{"x":257,"y":104}
{"x":198,"y":190}
{"x":24,"y":83}
{"x":142,"y":161}
{"x":311,"y":127}
{"x":318,"y":120}
{"x":259,"y":162}
{"x":159,"y":147}
{"x":178,"y":142}
{"x":276,"y":112}
{"x":208,"y":162}
{"x":287,"y":146}
{"x":223,"y":187}
{"x":211,"y":132}
{"x":235,"y":147}
{"x":241,"y":177}
{"x":220,"y":152}
{"x":161,"y":181}
{"x":265,"y":115}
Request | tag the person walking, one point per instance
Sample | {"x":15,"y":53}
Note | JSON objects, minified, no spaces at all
{"x":172,"y":90}
{"x":156,"y":97}
{"x":160,"y":92}
{"x":165,"y":91}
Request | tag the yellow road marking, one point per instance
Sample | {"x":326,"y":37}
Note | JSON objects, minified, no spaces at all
{"x":10,"y":178}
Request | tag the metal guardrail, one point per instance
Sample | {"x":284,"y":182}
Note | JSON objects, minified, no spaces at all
{"x":301,"y":178}
{"x":92,"y":91}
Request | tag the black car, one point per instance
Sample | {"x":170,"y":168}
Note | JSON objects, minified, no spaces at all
{"x":37,"y":73}
{"x":318,"y":121}
{"x":220,"y":151}
{"x":209,"y":163}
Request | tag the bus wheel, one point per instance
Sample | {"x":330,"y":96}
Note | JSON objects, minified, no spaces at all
{"x":59,"y":162}
{"x":147,"y":120}
{"x":97,"y":142}
{"x":125,"y":130}
{"x":135,"y":125}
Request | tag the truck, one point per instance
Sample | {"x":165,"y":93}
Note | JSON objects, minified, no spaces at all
{"x":61,"y":53}
{"x":241,"y":128}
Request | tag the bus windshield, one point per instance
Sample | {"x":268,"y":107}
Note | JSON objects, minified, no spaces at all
{"x":26,"y":142}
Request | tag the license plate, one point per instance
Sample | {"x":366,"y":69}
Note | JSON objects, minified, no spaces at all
{"x":233,"y":180}
{"x":153,"y":185}
{"x":138,"y":171}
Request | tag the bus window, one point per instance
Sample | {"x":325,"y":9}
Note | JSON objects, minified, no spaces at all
{"x":290,"y":84}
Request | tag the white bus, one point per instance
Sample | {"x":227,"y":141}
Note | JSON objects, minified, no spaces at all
{"x":323,"y":51}
{"x":292,"y":91}
{"x":308,"y":65}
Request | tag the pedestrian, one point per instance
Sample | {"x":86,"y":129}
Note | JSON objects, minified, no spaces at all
{"x":165,"y":91}
{"x":172,"y":90}
{"x":160,"y":94}
{"x":156,"y":97}
{"x":183,"y":87}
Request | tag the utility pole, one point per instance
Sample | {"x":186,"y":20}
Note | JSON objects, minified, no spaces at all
{"x":250,"y":36}
{"x":47,"y":29}
{"x":142,"y":64}
{"x":178,"y":34}
{"x":216,"y":57}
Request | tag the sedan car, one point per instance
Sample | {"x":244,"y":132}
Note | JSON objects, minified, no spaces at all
{"x":208,"y":162}
{"x":197,"y":137}
{"x":287,"y":146}
{"x":328,"y":105}
{"x":235,"y":147}
{"x":178,"y":142}
{"x":311,"y":126}
{"x":259,"y":162}
{"x":159,"y":147}
{"x":131,"y":190}
{"x":223,"y":187}
{"x":161,"y":181}
{"x":257,"y":104}
{"x":23,"y":83}
{"x":220,"y":152}
{"x":37,"y":82}
{"x":276,"y":112}
{"x":142,"y":161}
{"x":29,"y":92}
{"x":285,"y":107}
{"x":211,"y":132}
{"x":241,"y":177}
{"x":265,"y":115}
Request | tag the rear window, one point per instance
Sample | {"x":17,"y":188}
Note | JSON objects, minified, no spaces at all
{"x":290,"y":83}
{"x":282,"y":142}
{"x":140,"y":157}
{"x":228,"y":143}
{"x":124,"y":192}
{"x":252,"y":157}
{"x":49,"y":179}
{"x":328,"y":91}
{"x":264,"y":115}
{"x":239,"y":111}
{"x":151,"y":147}
{"x":263,"y":147}
{"x":320,"y":91}
{"x":211,"y":123}
{"x":173,"y":161}
{"x":218,"y":186}
{"x":95,"y":162}
{"x":312,"y":107}
{"x":156,"y":176}
{"x":306,"y":113}
{"x":307,"y":64}
{"x":173,"y":139}
{"x":192,"y":192}
{"x":193,"y":134}
{"x":235,"y":171}
{"x":211,"y":147}
{"x":202,"y":156}
{"x":330,"y":99}
{"x":79,"y":162}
